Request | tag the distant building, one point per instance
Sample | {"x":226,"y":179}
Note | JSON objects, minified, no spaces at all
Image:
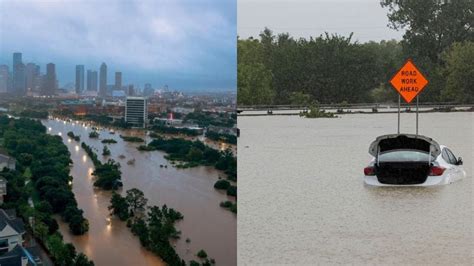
{"x":118,"y":94}
{"x":182,"y":110}
{"x":148,"y":90}
{"x":49,"y":80}
{"x":4,"y":79}
{"x":131,"y":90}
{"x":79,"y":85}
{"x":92,"y":80}
{"x":31,"y":75}
{"x":136,"y":112}
{"x":103,"y":80}
{"x":168,"y":121}
{"x":19,"y":81}
{"x":7,"y":162}
{"x":118,"y":80}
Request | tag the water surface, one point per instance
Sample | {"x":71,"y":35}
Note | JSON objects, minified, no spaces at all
{"x":302,"y":198}
{"x":189,"y":191}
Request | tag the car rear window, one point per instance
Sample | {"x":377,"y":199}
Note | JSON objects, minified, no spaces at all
{"x":404,"y":156}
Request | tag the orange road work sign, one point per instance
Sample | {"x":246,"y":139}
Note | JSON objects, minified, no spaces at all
{"x":409,"y":81}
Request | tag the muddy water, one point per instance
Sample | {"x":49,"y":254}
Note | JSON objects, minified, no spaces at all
{"x":302,"y":198}
{"x":190,"y":191}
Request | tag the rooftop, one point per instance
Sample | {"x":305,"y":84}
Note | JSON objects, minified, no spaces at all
{"x":8,"y":217}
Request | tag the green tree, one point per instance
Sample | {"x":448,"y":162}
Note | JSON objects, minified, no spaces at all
{"x":136,"y":200}
{"x":62,"y":254}
{"x":82,"y":260}
{"x":459,"y":72}
{"x":119,"y":206}
{"x":105,"y":151}
{"x":431,"y":25}
{"x":254,"y":84}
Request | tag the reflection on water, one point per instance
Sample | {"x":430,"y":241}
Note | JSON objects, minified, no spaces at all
{"x":302,"y":198}
{"x":109,"y":241}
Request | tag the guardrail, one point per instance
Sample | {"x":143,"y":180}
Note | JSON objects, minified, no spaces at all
{"x":349,"y":106}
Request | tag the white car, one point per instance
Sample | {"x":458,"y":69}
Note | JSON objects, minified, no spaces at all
{"x":414,"y":160}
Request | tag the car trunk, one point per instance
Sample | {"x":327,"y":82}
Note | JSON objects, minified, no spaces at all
{"x":403,"y":171}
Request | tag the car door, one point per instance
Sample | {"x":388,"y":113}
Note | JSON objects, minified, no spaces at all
{"x":457,"y":170}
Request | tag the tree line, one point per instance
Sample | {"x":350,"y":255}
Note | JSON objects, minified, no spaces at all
{"x":42,"y":175}
{"x":279,"y":69}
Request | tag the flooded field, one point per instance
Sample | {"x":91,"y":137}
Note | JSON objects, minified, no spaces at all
{"x":189,"y":191}
{"x":302,"y":198}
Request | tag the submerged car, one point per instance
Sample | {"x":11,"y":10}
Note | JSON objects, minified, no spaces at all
{"x":408,"y":159}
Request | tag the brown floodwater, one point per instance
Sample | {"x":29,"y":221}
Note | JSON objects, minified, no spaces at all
{"x":190,"y":191}
{"x":302,"y":199}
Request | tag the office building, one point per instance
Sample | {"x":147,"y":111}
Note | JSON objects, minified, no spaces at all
{"x":92,"y":80}
{"x":118,"y":80}
{"x":4,"y":79}
{"x":103,"y":80}
{"x":79,"y":79}
{"x":136,"y":111}
{"x":19,"y":79}
{"x":49,"y":81}
{"x":31,"y":73}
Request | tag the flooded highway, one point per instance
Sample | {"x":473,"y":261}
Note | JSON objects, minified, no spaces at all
{"x":302,"y":199}
{"x":190,"y":191}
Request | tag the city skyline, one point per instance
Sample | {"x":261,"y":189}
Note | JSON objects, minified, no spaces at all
{"x":187,"y":45}
{"x":21,"y":77}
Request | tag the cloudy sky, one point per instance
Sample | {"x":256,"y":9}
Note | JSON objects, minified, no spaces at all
{"x":186,"y":44}
{"x":304,"y":18}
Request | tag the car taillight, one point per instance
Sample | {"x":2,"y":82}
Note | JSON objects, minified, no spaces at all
{"x":369,"y":170}
{"x":436,"y":170}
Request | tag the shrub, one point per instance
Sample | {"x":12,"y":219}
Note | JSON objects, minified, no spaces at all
{"x":222,"y":184}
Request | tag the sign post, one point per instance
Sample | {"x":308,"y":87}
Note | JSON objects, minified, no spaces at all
{"x":408,"y":82}
{"x":398,"y":130}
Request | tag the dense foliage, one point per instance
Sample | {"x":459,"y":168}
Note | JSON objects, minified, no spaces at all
{"x":173,"y":130}
{"x":109,"y":141}
{"x":34,"y":114}
{"x":232,"y":206}
{"x":227,"y":138}
{"x":278,"y":69}
{"x":154,"y":228}
{"x":132,"y":139}
{"x":42,"y":174}
{"x":205,"y":119}
{"x":108,"y":174}
{"x":195,"y":153}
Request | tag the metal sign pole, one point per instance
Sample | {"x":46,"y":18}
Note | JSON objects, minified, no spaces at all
{"x":398,"y":114}
{"x":417,"y":115}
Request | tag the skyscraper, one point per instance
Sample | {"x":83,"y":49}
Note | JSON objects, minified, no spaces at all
{"x":94,"y":80}
{"x":79,"y":79}
{"x":31,"y":73}
{"x":19,"y":80}
{"x":89,"y":80}
{"x":118,"y":80}
{"x":49,"y":84}
{"x":4,"y":78}
{"x":136,"y":111}
{"x":103,"y":80}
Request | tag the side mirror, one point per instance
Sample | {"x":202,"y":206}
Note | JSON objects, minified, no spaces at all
{"x":459,"y":161}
